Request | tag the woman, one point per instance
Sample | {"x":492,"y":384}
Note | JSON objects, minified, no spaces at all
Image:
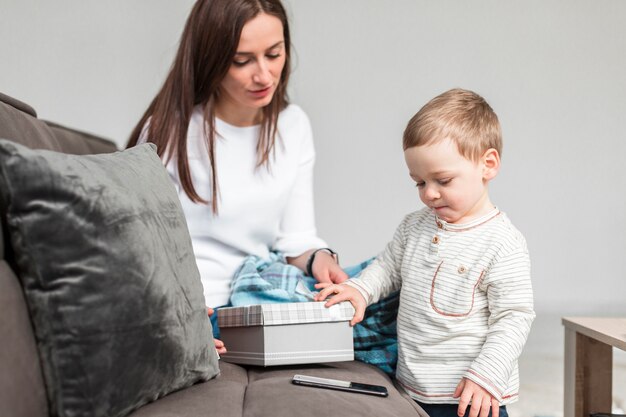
{"x":241,"y":156}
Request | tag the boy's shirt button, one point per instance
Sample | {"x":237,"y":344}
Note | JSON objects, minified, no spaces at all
{"x":436,"y":240}
{"x":462,"y":269}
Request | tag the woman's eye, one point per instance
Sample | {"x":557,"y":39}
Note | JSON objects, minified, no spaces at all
{"x":273,"y":56}
{"x":240,"y":63}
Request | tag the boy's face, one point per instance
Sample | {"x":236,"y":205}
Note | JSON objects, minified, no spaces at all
{"x":454,"y":187}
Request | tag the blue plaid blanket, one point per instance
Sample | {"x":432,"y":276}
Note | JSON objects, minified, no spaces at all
{"x":262,"y":281}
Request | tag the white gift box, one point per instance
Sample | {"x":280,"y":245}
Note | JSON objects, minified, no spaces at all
{"x":287,"y":333}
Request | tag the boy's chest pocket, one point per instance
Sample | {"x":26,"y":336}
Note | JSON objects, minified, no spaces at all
{"x":453,"y":288}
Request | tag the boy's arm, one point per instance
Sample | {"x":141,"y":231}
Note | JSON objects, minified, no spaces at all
{"x":509,"y":293}
{"x":382,"y":276}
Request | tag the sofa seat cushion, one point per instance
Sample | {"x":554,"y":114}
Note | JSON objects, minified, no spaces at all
{"x":252,"y":391}
{"x":271,"y":393}
{"x":222,"y":396}
{"x":109,"y":275}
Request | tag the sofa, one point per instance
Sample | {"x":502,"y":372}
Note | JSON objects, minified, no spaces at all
{"x":237,"y":391}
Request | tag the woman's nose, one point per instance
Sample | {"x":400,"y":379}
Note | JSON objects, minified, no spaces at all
{"x":262,"y":74}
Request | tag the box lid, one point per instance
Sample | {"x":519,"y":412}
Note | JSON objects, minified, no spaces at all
{"x":283,"y":313}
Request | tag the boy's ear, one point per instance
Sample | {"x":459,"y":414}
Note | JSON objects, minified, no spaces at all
{"x":491,"y":164}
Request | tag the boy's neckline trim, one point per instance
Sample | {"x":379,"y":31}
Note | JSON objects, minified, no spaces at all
{"x":442,"y":224}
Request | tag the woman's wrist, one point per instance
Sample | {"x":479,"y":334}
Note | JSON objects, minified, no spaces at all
{"x":311,"y":260}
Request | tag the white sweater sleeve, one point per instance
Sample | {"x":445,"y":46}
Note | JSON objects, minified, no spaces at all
{"x":382,"y":276}
{"x":297,"y":232}
{"x":510,"y":297}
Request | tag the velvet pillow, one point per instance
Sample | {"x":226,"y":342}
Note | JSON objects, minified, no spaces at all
{"x":109,"y":274}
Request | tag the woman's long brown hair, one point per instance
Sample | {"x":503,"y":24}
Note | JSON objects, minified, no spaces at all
{"x":206,"y":51}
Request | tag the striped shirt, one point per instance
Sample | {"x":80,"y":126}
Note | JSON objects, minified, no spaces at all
{"x":466,"y":303}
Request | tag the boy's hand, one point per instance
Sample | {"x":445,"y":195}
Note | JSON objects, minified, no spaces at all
{"x":326,"y":269}
{"x":482,"y":401}
{"x":343,"y":292}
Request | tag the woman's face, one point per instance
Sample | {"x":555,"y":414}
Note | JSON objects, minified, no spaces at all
{"x":255,"y":71}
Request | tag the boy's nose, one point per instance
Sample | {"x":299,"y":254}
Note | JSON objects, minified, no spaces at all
{"x":431,"y":193}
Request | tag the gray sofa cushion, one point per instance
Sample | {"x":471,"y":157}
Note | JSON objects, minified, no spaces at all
{"x":266,"y":385}
{"x":259,"y":392}
{"x":222,"y":396}
{"x":109,"y":275}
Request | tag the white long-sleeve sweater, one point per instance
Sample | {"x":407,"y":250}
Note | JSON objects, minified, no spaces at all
{"x":466,"y":303}
{"x":259,"y":209}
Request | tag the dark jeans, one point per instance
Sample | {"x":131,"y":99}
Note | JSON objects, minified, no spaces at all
{"x":449,"y":410}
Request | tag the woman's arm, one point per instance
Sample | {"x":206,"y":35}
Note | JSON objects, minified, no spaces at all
{"x":298,"y":238}
{"x":325,"y":268}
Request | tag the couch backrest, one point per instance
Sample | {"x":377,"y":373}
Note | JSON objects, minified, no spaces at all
{"x":22,"y":391}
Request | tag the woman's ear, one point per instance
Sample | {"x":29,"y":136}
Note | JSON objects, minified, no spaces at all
{"x":491,"y":164}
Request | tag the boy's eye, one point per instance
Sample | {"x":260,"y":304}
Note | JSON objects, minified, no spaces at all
{"x":444,"y":181}
{"x":419,"y":184}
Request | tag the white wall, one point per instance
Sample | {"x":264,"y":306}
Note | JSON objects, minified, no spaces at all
{"x":554,"y":71}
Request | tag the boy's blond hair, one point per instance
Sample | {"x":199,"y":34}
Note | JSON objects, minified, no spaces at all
{"x":461,"y":116}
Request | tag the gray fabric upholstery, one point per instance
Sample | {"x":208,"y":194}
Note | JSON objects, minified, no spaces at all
{"x":78,"y":142}
{"x":109,"y":274}
{"x":22,"y":127}
{"x":222,"y":396}
{"x":22,"y":393}
{"x":261,"y":392}
{"x":267,"y":385}
{"x":19,"y":105}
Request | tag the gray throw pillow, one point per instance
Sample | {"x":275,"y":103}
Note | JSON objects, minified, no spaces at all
{"x":109,"y":274}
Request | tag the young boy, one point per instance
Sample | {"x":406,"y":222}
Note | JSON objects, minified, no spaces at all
{"x":466,"y":301}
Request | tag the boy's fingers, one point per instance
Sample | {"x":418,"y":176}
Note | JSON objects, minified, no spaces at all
{"x":459,"y":389}
{"x":462,"y":405}
{"x":475,"y":408}
{"x":495,"y":408}
{"x":339,"y":296}
{"x":485,"y":407}
{"x":324,"y":293}
{"x":358,"y":316}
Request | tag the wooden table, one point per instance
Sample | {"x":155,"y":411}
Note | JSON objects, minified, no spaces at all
{"x":589,"y":343}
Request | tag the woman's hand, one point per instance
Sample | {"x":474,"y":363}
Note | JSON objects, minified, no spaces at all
{"x":326,"y":269}
{"x":219,"y":345}
{"x":481,"y":399}
{"x":341,"y":293}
